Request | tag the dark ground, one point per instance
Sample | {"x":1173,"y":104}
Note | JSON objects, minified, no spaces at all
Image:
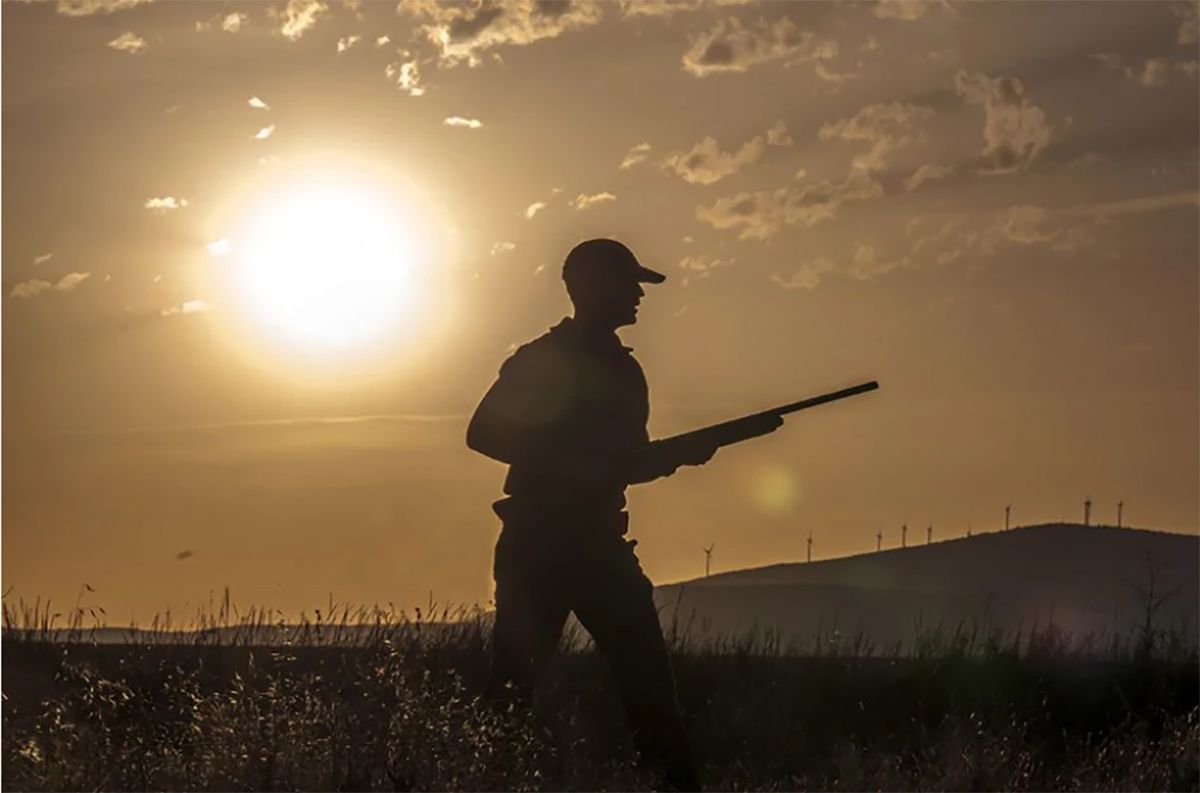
{"x":401,"y":714}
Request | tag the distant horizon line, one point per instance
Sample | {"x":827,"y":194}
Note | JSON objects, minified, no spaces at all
{"x":414,"y":418}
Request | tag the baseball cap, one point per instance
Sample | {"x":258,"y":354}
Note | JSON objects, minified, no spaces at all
{"x":606,"y":258}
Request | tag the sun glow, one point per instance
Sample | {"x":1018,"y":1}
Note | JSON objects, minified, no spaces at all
{"x":329,"y":265}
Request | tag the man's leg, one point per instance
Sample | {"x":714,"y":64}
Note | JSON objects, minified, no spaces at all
{"x":614,"y":602}
{"x":530,"y":614}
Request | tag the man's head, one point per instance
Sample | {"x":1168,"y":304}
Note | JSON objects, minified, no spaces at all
{"x":604,"y":281}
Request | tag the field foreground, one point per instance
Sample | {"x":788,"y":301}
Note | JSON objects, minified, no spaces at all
{"x":402,"y":713}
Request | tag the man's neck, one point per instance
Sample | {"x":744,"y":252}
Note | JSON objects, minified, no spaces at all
{"x":592,"y":326}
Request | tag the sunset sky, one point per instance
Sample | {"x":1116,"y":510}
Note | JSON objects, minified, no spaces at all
{"x":260,"y":261}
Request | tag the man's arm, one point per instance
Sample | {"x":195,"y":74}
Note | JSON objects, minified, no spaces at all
{"x":515,"y":421}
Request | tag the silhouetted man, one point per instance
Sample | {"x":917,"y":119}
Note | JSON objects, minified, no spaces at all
{"x":568,"y":413}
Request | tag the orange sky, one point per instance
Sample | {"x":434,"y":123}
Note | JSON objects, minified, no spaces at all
{"x":991,"y":209}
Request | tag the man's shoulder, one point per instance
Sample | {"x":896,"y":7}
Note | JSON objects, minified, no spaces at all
{"x":547,"y":350}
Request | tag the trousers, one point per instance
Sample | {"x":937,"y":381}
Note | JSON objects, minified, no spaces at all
{"x":543,"y":574}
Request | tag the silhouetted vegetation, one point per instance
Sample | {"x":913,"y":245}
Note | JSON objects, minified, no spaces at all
{"x":368,"y":699}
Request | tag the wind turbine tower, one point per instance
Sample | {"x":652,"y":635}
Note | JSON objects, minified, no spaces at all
{"x":879,"y":541}
{"x":929,"y":534}
{"x":1087,"y":511}
{"x":1007,"y":511}
{"x":904,"y":535}
{"x":708,"y":559}
{"x":809,"y":547}
{"x":1120,"y":508}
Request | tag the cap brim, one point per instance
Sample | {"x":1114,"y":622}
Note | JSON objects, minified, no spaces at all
{"x":647,"y":276}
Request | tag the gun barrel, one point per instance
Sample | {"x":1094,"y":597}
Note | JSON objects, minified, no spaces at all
{"x":833,"y":396}
{"x":749,"y":426}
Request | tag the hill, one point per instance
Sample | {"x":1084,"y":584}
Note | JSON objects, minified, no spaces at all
{"x":1097,"y":580}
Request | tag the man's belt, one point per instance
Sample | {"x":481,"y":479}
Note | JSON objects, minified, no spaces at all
{"x":558,"y":517}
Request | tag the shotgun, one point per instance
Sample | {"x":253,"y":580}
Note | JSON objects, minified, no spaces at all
{"x":752,"y":425}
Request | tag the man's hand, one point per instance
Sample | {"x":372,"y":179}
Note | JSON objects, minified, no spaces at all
{"x":766,"y":424}
{"x":695,"y":454}
{"x":702,"y":449}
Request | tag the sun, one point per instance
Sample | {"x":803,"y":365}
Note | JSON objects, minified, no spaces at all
{"x":328,"y":263}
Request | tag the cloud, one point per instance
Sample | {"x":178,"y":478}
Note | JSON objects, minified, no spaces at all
{"x":346,"y":42}
{"x":832,"y":77}
{"x":777,"y":135}
{"x":257,"y":103}
{"x":30,"y":288}
{"x":462,"y":31}
{"x":165,"y":204}
{"x":886,"y":127}
{"x":958,"y":237}
{"x":1151,"y":203}
{"x":762,"y":214}
{"x":583,"y":201}
{"x":702,"y":265}
{"x":264,"y":133}
{"x":186,"y":307}
{"x":45,"y":257}
{"x":1021,"y":225}
{"x":70,"y":281}
{"x":129,"y":42}
{"x":635,"y":155}
{"x":459,"y":121}
{"x":36,"y":286}
{"x":1155,"y":72}
{"x":705,"y":163}
{"x":668,"y":8}
{"x":84,"y":8}
{"x":229,"y":23}
{"x":220,"y":247}
{"x":906,"y":10}
{"x":502,"y":247}
{"x":298,"y":16}
{"x":927,"y":173}
{"x":806,"y":276}
{"x":866,"y":264}
{"x":1014,"y":131}
{"x":381,"y":40}
{"x":1189,"y":24}
{"x":1113,"y":61}
{"x":407,"y":76}
{"x":533,"y":209}
{"x":1026,"y":225}
{"x":731,"y":46}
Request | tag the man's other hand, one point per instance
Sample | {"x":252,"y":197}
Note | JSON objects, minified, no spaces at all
{"x":765,"y":425}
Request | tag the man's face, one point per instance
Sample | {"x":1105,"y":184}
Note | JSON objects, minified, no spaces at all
{"x":629,"y":296}
{"x":611,"y":302}
{"x":621,"y":299}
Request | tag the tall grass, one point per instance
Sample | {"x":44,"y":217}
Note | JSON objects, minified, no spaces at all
{"x":349,"y":699}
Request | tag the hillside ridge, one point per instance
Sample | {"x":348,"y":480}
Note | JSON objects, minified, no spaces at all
{"x":940,"y":548}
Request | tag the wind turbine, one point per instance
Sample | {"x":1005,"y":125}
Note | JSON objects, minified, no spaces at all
{"x":809,"y":546}
{"x":1120,"y":508}
{"x":904,"y":535}
{"x":708,"y":559}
